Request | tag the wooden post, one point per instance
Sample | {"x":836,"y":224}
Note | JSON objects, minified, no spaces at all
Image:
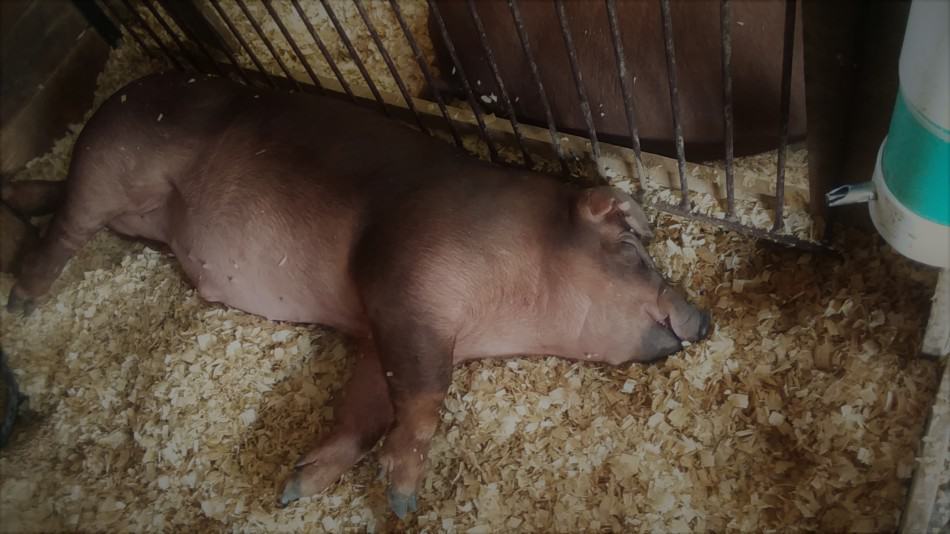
{"x":920,"y":512}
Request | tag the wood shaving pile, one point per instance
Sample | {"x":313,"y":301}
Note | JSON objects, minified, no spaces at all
{"x":151,"y":409}
{"x":415,"y":13}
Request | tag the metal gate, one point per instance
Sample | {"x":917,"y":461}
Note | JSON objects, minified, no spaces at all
{"x":207,"y":37}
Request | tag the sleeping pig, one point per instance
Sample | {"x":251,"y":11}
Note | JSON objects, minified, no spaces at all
{"x":309,"y":209}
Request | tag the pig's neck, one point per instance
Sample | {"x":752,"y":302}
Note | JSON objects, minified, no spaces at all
{"x":541,"y":311}
{"x":580,"y":323}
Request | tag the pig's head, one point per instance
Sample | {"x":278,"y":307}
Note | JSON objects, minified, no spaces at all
{"x":639,"y":316}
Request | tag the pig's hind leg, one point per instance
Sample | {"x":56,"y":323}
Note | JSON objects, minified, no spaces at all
{"x":94,"y":197}
{"x":362,"y":416}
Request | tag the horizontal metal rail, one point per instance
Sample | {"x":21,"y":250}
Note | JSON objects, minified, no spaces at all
{"x":453,"y":117}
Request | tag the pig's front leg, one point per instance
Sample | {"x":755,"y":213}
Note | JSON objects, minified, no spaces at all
{"x":362,"y":416}
{"x":418,"y":368}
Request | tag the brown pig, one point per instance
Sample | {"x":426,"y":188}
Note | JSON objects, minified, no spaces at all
{"x":309,"y":209}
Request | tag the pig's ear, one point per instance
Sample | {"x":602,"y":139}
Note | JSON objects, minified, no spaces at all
{"x":600,"y":204}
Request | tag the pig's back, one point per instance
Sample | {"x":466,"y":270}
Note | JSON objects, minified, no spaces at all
{"x":271,"y":192}
{"x":268,"y":192}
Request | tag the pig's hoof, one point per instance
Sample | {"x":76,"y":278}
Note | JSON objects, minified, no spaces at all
{"x":291,"y":491}
{"x":309,"y":479}
{"x":17,"y":304}
{"x":402,"y":504}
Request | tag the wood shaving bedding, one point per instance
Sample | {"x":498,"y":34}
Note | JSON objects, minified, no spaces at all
{"x":150,"y":409}
{"x":415,"y":13}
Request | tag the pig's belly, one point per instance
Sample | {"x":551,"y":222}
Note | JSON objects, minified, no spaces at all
{"x":266,"y":277}
{"x":278,"y":274}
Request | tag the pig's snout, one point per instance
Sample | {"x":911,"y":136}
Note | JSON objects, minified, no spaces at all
{"x":705,"y":324}
{"x":687,"y":322}
{"x":662,"y":339}
{"x":693,"y":327}
{"x":675,"y":321}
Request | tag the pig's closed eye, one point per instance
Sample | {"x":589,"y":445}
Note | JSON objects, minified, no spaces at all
{"x":630,"y":247}
{"x":634,"y":247}
{"x":630,"y":240}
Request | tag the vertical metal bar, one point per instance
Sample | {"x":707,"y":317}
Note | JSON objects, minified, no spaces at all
{"x":490,"y":56}
{"x":247,"y":49}
{"x":293,"y":44}
{"x":674,"y":100}
{"x":536,"y":76}
{"x":426,"y":73}
{"x":107,"y":9}
{"x":171,"y":33}
{"x":389,"y":63}
{"x":189,"y":35}
{"x":148,"y":29}
{"x":354,"y":56}
{"x":788,"y":52}
{"x":222,"y":45}
{"x":625,"y":89}
{"x":268,"y":45}
{"x":323,"y":50}
{"x":469,"y":95}
{"x":103,"y":25}
{"x":579,"y":84}
{"x":725,"y":26}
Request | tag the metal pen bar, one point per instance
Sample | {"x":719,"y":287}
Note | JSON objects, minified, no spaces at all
{"x":389,"y":64}
{"x":579,"y":84}
{"x":735,"y":226}
{"x":148,"y":29}
{"x":725,"y":25}
{"x":674,"y":100}
{"x":247,"y":49}
{"x":99,"y":22}
{"x":536,"y":76}
{"x":625,"y":89}
{"x":293,"y":44}
{"x":223,"y":46}
{"x":267,"y":44}
{"x":171,"y":33}
{"x":450,"y":47}
{"x":426,"y":72}
{"x":354,"y":56}
{"x":323,"y":50}
{"x":788,"y":52}
{"x":490,"y":56}
{"x":189,"y":35}
{"x":107,"y":9}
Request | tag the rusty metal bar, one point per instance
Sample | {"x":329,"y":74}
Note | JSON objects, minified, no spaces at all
{"x":389,"y":63}
{"x":270,"y":47}
{"x":725,"y":26}
{"x":222,"y":45}
{"x":450,"y":47}
{"x":625,"y":89}
{"x":293,"y":44}
{"x":579,"y":84}
{"x":247,"y":49}
{"x":189,"y":35}
{"x":107,"y":9}
{"x":788,"y":52}
{"x":674,"y":100}
{"x":171,"y":33}
{"x":99,"y":22}
{"x":426,"y":73}
{"x":323,"y":50}
{"x":148,"y":30}
{"x":356,"y":58}
{"x":490,"y":57}
{"x":536,"y":76}
{"x":735,"y":226}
